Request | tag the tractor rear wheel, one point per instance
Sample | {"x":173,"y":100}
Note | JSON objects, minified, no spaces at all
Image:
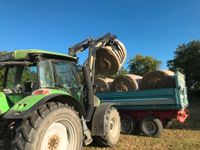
{"x":54,"y":126}
{"x":2,"y":124}
{"x":4,"y":134}
{"x":113,"y":126}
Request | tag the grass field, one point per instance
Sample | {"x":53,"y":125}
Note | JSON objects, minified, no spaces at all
{"x":179,"y":137}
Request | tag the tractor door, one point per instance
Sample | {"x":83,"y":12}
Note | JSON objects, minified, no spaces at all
{"x":66,"y":77}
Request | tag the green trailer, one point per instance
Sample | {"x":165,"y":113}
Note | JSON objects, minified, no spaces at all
{"x":150,"y":110}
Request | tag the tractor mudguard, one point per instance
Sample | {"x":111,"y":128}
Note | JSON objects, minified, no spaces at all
{"x":29,"y":104}
{"x":4,"y":106}
{"x":98,"y":121}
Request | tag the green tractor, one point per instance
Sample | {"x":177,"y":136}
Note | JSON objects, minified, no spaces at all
{"x":47,"y":101}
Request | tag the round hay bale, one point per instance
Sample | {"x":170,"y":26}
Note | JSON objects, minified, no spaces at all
{"x":127,"y":82}
{"x":103,"y":84}
{"x":110,"y":59}
{"x":158,"y":79}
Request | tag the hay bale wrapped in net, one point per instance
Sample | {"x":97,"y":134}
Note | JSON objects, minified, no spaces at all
{"x":109,"y":59}
{"x":127,"y":82}
{"x":158,"y":79}
{"x":103,"y":84}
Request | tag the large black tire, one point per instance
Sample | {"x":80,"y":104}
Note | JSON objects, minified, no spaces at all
{"x":168,"y":123}
{"x":128,"y":125}
{"x":53,"y":126}
{"x":2,"y":128}
{"x":151,"y":126}
{"x":4,"y":134}
{"x":113,"y":127}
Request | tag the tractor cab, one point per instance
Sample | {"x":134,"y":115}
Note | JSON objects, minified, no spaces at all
{"x":21,"y":76}
{"x":43,"y":94}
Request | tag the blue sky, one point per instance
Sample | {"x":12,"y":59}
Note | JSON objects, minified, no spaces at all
{"x":146,"y":27}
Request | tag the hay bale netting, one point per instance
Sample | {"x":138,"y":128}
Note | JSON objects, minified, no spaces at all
{"x":110,"y":59}
{"x":158,"y":79}
{"x":127,"y":82}
{"x":103,"y":84}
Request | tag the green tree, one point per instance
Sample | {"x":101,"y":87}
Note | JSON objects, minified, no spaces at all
{"x":187,"y":60}
{"x":141,"y":65}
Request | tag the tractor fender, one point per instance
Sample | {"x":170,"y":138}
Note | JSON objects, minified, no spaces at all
{"x":4,"y":106}
{"x":27,"y":106}
{"x":99,"y":118}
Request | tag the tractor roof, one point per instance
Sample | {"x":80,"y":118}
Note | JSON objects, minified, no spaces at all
{"x":26,"y":54}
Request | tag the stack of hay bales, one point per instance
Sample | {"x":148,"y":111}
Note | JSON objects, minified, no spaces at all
{"x":110,"y":59}
{"x":127,"y":82}
{"x":131,"y":82}
{"x":158,"y":79}
{"x":103,"y":84}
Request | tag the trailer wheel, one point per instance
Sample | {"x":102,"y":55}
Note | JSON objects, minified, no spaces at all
{"x":113,"y":126}
{"x":151,"y":126}
{"x":128,"y":125}
{"x":54,"y":126}
{"x":168,"y":123}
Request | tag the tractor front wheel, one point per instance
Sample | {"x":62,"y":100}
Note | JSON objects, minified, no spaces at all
{"x":113,"y":125}
{"x":54,"y":126}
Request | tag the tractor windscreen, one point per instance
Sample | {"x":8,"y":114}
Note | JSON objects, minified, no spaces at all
{"x":46,"y":74}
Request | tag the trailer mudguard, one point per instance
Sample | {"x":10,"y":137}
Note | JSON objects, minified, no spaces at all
{"x":29,"y":104}
{"x":98,"y":121}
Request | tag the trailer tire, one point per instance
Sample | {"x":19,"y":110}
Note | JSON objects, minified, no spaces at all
{"x":128,"y":124}
{"x":151,"y":126}
{"x":113,"y":125}
{"x":168,"y":123}
{"x":53,"y":126}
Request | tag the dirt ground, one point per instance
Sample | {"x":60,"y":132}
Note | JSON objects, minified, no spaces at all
{"x":178,"y":137}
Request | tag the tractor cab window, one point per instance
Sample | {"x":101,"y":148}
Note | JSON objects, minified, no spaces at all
{"x":11,"y":76}
{"x":16,"y":79}
{"x":2,"y":73}
{"x":29,"y":80}
{"x":46,"y":74}
{"x":67,"y":78}
{"x":65,"y":75}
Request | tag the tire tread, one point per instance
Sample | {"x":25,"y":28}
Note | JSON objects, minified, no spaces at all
{"x":28,"y":127}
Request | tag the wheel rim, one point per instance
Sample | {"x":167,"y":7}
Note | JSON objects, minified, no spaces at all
{"x":126,"y":125}
{"x":59,"y":135}
{"x":113,"y":127}
{"x":150,"y":127}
